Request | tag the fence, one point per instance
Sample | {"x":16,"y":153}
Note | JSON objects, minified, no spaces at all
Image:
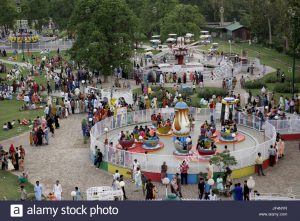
{"x":51,"y":45}
{"x":289,"y":125}
{"x":152,"y":162}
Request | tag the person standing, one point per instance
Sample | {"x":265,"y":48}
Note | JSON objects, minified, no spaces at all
{"x":78,"y":194}
{"x":116,"y":175}
{"x":281,"y":146}
{"x":138,"y":179}
{"x":272,"y":155}
{"x":220,"y":186}
{"x":135,"y":165}
{"x":239,"y":192}
{"x":122,"y":185}
{"x":178,"y":180}
{"x":38,"y":191}
{"x":164,"y":169}
{"x":149,"y":190}
{"x":57,"y":190}
{"x":201,"y":188}
{"x":259,"y":164}
{"x":207,"y":189}
{"x":184,"y":167}
{"x":23,"y":193}
{"x":246,"y":191}
{"x":99,"y":157}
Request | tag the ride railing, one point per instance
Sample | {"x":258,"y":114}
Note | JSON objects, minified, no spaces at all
{"x":288,"y":125}
{"x":153,"y":162}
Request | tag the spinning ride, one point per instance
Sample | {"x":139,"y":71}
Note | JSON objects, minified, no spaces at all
{"x":181,"y":130}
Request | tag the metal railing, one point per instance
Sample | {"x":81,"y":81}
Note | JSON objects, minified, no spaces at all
{"x":152,"y":162}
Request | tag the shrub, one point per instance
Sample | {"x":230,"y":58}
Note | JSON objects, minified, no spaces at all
{"x":207,"y":93}
{"x":255,"y":84}
{"x":284,"y":88}
{"x":271,"y":79}
{"x":297,"y":78}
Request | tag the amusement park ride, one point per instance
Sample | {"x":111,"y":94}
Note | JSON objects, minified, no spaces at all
{"x":23,"y":34}
{"x":177,"y":131}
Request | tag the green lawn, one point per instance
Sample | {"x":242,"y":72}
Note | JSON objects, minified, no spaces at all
{"x":10,"y":187}
{"x":36,"y":54}
{"x":268,"y":56}
{"x":9,"y":110}
{"x":195,"y":100}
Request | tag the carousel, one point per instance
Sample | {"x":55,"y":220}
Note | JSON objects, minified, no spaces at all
{"x":163,"y":127}
{"x":140,"y":140}
{"x":181,"y":130}
{"x":206,"y":143}
{"x":229,"y":132}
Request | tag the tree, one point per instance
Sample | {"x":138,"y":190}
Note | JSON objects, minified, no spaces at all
{"x":223,"y":160}
{"x":8,"y":14}
{"x":61,"y":11}
{"x":183,"y":19}
{"x":104,"y":31}
{"x":153,"y":12}
{"x":35,"y":11}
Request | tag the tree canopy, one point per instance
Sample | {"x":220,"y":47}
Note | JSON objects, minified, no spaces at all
{"x":104,"y":32}
{"x":183,"y":19}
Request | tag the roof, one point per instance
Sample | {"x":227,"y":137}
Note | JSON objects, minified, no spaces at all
{"x":181,"y":105}
{"x":234,"y":26}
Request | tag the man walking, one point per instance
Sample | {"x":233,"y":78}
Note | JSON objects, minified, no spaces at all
{"x":38,"y":191}
{"x":246,"y":191}
{"x":57,"y":190}
{"x":259,"y":164}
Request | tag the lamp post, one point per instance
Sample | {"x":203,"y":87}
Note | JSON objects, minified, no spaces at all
{"x":233,"y":143}
{"x":166,"y":181}
{"x":295,"y":17}
{"x":83,"y":82}
{"x":23,"y":56}
{"x":106,"y":131}
{"x":251,"y":185}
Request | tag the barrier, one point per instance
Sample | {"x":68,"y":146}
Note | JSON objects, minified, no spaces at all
{"x":152,"y":162}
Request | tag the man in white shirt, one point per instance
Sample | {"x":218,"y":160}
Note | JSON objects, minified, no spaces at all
{"x":136,"y":165}
{"x":116,"y":175}
{"x":46,"y":111}
{"x":57,"y":190}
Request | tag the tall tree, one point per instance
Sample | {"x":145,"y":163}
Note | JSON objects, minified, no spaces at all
{"x":104,"y":32}
{"x":61,"y":11}
{"x":8,"y":13}
{"x":183,"y":19}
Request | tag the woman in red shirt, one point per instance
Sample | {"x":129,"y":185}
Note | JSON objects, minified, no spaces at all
{"x":184,"y":167}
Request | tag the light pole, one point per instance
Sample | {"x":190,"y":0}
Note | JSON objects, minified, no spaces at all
{"x":233,"y":143}
{"x":23,"y":56}
{"x":166,"y":181}
{"x":106,"y":131}
{"x":83,"y":82}
{"x":251,"y":185}
{"x":295,"y":17}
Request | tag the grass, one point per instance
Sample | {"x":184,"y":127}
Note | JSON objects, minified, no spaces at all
{"x":268,"y":56}
{"x":9,"y":110}
{"x":27,"y":56}
{"x":10,"y":189}
{"x":195,"y":100}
